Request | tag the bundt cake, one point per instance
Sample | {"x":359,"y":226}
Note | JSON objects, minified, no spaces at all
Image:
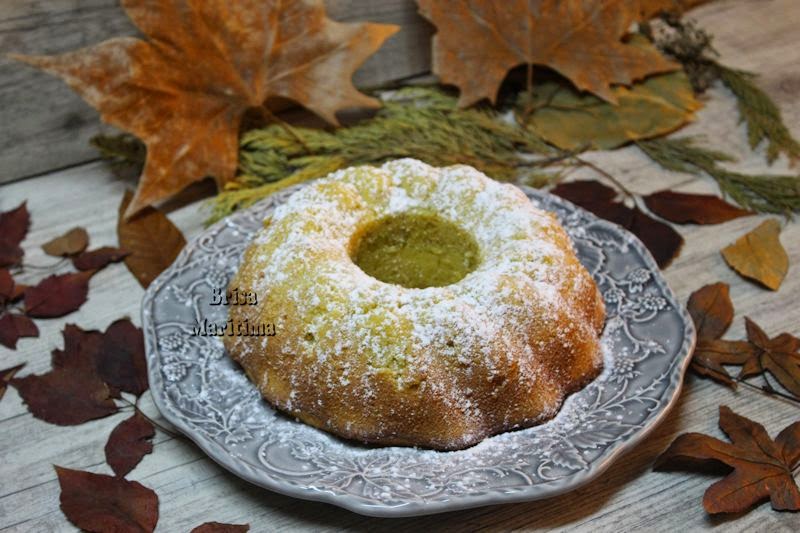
{"x":415,"y":305}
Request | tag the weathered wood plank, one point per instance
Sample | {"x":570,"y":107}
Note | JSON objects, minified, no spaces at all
{"x":45,"y":126}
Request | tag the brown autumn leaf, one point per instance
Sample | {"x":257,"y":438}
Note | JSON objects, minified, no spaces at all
{"x":203,"y":65}
{"x":14,"y":227}
{"x":585,"y":192}
{"x":780,"y":356}
{"x":71,"y":243}
{"x":759,"y":255}
{"x":13,"y":327}
{"x":762,"y":467}
{"x":65,"y":396}
{"x":120,"y":360}
{"x":57,"y":295}
{"x":99,"y":503}
{"x":6,"y":376}
{"x":99,"y":258}
{"x":684,"y":208}
{"x":711,"y":354}
{"x":6,"y":286}
{"x":711,"y":309}
{"x":128,"y":443}
{"x":154,"y":241}
{"x":476,"y":44}
{"x":217,"y":527}
{"x":663,"y":242}
{"x":80,"y":349}
{"x":650,"y":8}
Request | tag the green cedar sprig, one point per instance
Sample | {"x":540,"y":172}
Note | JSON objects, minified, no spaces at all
{"x":419,"y":122}
{"x":764,"y":193}
{"x":692,"y":47}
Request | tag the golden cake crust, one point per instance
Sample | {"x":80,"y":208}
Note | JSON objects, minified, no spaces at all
{"x":439,"y":367}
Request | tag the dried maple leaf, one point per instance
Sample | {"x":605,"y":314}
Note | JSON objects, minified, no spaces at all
{"x":759,"y":255}
{"x":65,"y":396}
{"x":478,"y":42}
{"x":57,"y":295}
{"x":663,"y":242}
{"x":185,"y":89}
{"x":71,"y":243}
{"x":710,"y":354}
{"x":711,"y":309}
{"x":99,"y":258}
{"x":686,"y":208}
{"x":128,"y":443}
{"x":120,"y":360}
{"x":762,"y":467}
{"x":6,"y":376}
{"x":154,"y":241}
{"x":98,"y":503}
{"x":14,"y":226}
{"x":780,"y":356}
{"x":13,"y":327}
{"x":217,"y":527}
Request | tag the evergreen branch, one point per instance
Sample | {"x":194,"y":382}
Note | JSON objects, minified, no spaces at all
{"x":121,"y":150}
{"x":418,"y":122}
{"x":764,"y":193}
{"x":692,"y":47}
{"x":760,"y":113}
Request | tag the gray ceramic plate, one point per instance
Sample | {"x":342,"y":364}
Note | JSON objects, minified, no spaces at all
{"x":648,"y":339}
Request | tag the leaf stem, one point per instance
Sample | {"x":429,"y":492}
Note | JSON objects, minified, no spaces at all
{"x":607,"y":175}
{"x":156,"y":424}
{"x":768,"y":390}
{"x":269,"y":115}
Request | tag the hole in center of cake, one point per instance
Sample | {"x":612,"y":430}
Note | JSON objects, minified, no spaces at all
{"x":415,"y":250}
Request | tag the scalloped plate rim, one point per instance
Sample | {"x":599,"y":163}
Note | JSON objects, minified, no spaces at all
{"x":538,"y":491}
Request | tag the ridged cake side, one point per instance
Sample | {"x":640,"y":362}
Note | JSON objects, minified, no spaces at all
{"x":440,"y":367}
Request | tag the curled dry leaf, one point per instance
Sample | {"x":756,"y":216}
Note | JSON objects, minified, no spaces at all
{"x":128,"y":443}
{"x":780,"y":356}
{"x":65,"y":396}
{"x":115,"y":356}
{"x":14,"y":226}
{"x":711,"y":354}
{"x":14,"y":327}
{"x":121,"y":361}
{"x":6,"y":376}
{"x":759,"y":255}
{"x":71,"y":243}
{"x":6,"y":286}
{"x":99,"y":258}
{"x":57,"y":295}
{"x":217,"y":527}
{"x":711,"y":309}
{"x":98,"y":503}
{"x":154,"y":241}
{"x":476,"y":44}
{"x":762,"y":466}
{"x":684,"y":208}
{"x":663,"y":242}
{"x":203,"y":66}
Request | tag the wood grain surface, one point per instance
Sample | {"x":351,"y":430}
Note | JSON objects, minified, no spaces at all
{"x":759,"y":35}
{"x":46,"y":126}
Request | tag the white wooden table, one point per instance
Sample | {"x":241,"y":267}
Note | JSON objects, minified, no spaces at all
{"x":756,"y":35}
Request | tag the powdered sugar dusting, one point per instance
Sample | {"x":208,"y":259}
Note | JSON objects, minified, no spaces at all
{"x":301,"y":260}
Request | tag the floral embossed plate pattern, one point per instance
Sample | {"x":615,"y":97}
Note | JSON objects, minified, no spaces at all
{"x":648,"y":339}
